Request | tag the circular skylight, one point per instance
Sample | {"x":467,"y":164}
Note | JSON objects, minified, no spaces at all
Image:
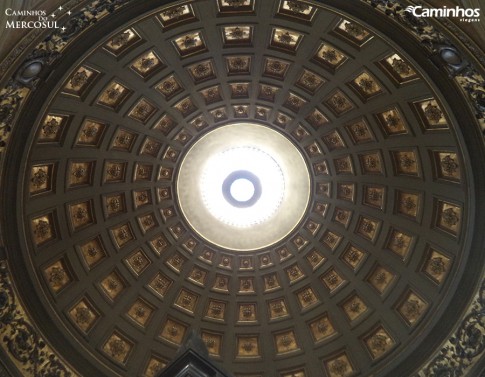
{"x":241,"y":190}
{"x":243,"y":186}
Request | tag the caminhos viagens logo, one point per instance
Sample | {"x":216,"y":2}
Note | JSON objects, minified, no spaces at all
{"x":464,"y":14}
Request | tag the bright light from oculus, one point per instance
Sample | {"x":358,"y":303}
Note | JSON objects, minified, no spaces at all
{"x":242,"y":186}
{"x":242,"y":189}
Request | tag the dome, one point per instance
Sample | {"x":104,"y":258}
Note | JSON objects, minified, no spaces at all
{"x":298,"y":182}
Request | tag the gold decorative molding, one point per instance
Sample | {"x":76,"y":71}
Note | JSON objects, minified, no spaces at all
{"x":21,"y":340}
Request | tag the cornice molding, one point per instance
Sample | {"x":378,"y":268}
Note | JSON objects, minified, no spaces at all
{"x":465,"y":348}
{"x":19,"y":338}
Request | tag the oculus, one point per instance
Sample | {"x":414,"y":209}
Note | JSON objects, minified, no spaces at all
{"x":243,"y":186}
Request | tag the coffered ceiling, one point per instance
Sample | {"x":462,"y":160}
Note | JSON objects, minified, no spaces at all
{"x":369,"y":282}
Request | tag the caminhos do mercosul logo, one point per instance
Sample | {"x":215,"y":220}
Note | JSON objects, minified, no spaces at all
{"x":35,"y":19}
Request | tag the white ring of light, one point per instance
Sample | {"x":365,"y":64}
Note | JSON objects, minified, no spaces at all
{"x":251,"y":159}
{"x":198,"y":179}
